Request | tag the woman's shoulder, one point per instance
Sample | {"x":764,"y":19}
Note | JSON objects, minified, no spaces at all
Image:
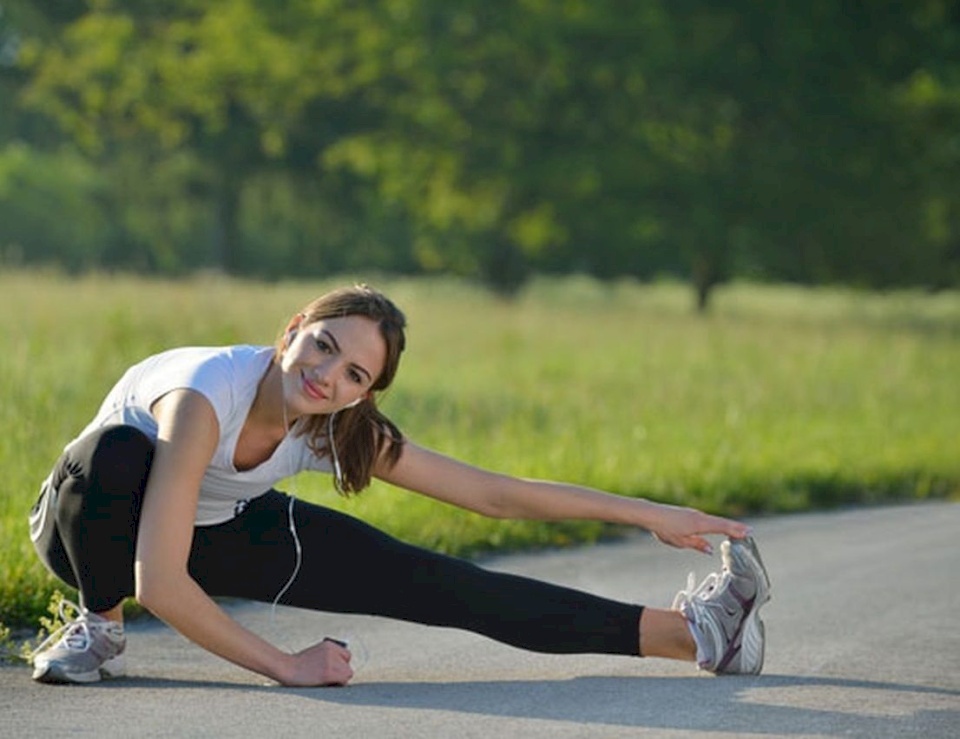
{"x":236,"y":358}
{"x":233,"y":354}
{"x":212,"y":370}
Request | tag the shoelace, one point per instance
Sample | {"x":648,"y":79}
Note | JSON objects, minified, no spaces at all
{"x":696,"y":592}
{"x":75,"y":632}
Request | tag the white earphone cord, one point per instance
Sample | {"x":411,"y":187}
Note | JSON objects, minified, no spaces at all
{"x":337,"y":472}
{"x":354,"y":643}
{"x":296,"y":568}
{"x":291,"y":523}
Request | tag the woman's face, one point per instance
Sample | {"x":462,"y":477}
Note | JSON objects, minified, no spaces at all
{"x":331,"y":363}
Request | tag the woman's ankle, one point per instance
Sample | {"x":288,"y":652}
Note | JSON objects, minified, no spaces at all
{"x":114,"y":614}
{"x":666,"y":634}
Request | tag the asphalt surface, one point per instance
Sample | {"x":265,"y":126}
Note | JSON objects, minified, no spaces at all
{"x":862,"y":641}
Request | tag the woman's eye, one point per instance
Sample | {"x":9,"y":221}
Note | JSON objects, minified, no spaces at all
{"x":355,"y":376}
{"x":322,"y":345}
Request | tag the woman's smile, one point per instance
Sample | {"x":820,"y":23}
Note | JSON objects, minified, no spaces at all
{"x":311,"y":388}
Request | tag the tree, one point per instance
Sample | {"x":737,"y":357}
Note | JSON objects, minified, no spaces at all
{"x":173,"y":77}
{"x":808,"y":141}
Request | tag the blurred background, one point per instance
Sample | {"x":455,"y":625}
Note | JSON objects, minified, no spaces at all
{"x":812,"y":143}
{"x":728,"y":235}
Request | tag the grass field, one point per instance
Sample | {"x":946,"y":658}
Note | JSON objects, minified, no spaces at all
{"x":782,"y":399}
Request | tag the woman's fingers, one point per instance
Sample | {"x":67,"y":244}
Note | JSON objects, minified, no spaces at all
{"x":687,"y":528}
{"x":702,"y":545}
{"x":737,"y":530}
{"x":325,"y":663}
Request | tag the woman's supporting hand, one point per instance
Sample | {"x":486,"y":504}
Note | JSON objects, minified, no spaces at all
{"x":685,"y":528}
{"x":326,"y":663}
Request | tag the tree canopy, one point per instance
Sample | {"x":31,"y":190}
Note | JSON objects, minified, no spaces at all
{"x":812,"y":142}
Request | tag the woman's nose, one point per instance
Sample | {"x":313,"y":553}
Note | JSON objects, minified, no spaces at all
{"x":324,"y":373}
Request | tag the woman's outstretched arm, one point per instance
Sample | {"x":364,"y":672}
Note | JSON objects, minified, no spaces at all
{"x":503,"y":496}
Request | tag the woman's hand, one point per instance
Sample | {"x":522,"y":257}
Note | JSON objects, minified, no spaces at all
{"x":325,"y":663}
{"x":685,"y":527}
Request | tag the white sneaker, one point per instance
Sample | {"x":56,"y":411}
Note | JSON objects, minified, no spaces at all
{"x":84,"y":650}
{"x":724,"y":611}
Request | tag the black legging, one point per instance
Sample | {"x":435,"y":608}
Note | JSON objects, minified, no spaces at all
{"x":88,"y":539}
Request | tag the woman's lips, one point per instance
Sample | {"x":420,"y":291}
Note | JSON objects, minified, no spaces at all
{"x":312,"y":390}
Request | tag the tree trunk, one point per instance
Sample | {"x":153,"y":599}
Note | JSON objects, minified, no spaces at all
{"x":705,"y":276}
{"x":226,"y":234}
{"x":505,"y":269}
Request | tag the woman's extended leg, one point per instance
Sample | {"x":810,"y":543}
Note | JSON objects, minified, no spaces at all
{"x":351,"y":567}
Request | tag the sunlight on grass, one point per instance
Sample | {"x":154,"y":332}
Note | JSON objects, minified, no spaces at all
{"x":782,"y":399}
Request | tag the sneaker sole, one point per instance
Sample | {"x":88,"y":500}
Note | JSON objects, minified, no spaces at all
{"x":745,"y":557}
{"x":753,"y":645}
{"x":54,"y":673}
{"x":745,"y":553}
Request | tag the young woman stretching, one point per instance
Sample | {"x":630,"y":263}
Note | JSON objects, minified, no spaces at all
{"x":167,"y":496}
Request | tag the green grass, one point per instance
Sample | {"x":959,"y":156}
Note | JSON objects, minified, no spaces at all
{"x":782,"y":399}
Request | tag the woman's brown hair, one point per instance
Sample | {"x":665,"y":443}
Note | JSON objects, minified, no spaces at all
{"x":361,"y":434}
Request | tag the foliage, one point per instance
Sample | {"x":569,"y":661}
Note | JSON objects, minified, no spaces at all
{"x":16,"y":650}
{"x":811,"y":142}
{"x":50,"y":205}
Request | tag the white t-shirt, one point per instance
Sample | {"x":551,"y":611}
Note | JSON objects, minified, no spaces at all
{"x":228,"y":378}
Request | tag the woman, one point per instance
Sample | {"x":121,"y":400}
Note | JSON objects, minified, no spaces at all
{"x":167,"y":495}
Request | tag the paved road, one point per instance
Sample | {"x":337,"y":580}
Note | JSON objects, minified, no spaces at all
{"x":862,"y":642}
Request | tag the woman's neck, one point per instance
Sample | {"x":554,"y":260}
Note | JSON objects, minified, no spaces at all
{"x":268,"y":413}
